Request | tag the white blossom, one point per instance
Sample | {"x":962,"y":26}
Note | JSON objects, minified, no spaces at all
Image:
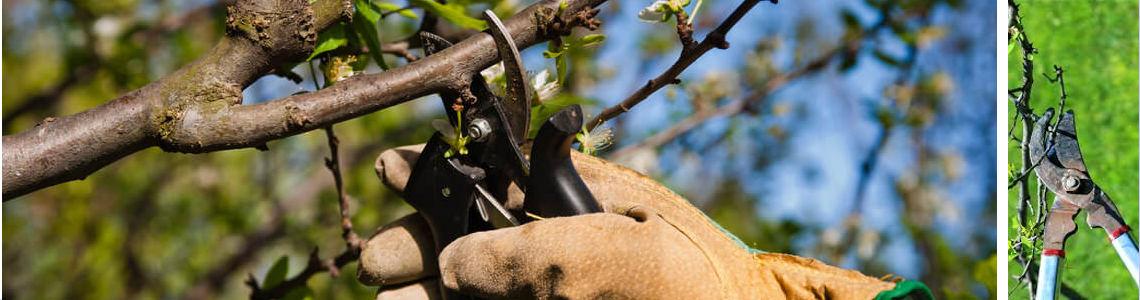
{"x":544,"y":86}
{"x":655,"y":12}
{"x":493,"y":73}
{"x":660,"y":10}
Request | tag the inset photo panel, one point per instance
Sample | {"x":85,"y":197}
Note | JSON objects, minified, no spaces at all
{"x":1072,"y":146}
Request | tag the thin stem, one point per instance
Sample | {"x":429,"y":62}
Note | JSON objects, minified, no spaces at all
{"x":714,"y":39}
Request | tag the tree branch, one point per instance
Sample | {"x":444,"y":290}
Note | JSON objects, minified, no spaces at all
{"x":197,"y":109}
{"x":689,"y":54}
{"x":732,"y":108}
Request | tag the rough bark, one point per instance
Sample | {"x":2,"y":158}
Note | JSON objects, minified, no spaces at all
{"x":198,"y":108}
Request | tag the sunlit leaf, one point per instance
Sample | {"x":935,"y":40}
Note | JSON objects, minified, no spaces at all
{"x":390,"y":7}
{"x":592,"y":40}
{"x":364,"y":21}
{"x":452,"y":13}
{"x":329,"y":40}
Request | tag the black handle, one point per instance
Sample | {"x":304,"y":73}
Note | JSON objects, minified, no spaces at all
{"x":554,"y":188}
{"x":443,"y":196}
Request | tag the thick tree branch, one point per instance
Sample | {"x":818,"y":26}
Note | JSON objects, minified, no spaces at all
{"x":689,"y":54}
{"x":197,"y":109}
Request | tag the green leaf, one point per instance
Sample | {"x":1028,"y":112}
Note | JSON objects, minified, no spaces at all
{"x":592,"y":40}
{"x":329,"y":40}
{"x":365,"y":21}
{"x":562,"y":68}
{"x":542,"y":111}
{"x":452,"y":13}
{"x":385,"y":6}
{"x":299,"y":293}
{"x":276,"y":273}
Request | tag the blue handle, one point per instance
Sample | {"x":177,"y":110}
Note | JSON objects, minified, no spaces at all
{"x":1047,"y":276}
{"x":1127,"y":252}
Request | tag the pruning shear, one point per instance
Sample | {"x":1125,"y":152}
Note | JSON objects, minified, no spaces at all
{"x":462,"y":188}
{"x":1062,"y":170}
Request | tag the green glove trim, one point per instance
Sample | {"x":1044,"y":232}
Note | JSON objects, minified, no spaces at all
{"x":907,"y":289}
{"x":734,"y":238}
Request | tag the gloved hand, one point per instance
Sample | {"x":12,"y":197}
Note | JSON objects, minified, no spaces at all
{"x":649,"y":244}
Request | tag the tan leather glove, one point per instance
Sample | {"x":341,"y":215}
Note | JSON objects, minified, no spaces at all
{"x":650,"y":244}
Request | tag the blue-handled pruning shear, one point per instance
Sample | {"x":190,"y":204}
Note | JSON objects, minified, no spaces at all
{"x":1062,"y":170}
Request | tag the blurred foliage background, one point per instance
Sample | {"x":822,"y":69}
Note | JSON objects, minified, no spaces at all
{"x":1101,"y":83}
{"x":867,"y":143}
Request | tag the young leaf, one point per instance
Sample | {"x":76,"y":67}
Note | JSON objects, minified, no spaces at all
{"x":562,"y":67}
{"x":454,"y":14}
{"x":276,"y":273}
{"x":329,"y":40}
{"x":365,"y":20}
{"x":591,"y":40}
{"x":542,"y":111}
{"x":385,"y":6}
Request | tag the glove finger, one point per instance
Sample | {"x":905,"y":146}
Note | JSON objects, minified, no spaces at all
{"x":814,"y":279}
{"x":588,"y":256}
{"x":609,"y":183}
{"x":400,"y":252}
{"x":394,"y":166}
{"x":427,"y":289}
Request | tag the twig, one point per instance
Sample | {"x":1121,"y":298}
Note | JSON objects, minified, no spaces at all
{"x":689,"y":54}
{"x":1025,"y":172}
{"x":316,"y":265}
{"x":333,"y":164}
{"x":735,"y":107}
{"x":401,"y":49}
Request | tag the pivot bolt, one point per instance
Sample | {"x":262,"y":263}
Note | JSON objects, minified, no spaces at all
{"x":1071,"y":183}
{"x":479,"y":129}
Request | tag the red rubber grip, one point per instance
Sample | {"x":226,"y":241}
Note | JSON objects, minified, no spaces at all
{"x":1053,"y":252}
{"x":1118,"y":232}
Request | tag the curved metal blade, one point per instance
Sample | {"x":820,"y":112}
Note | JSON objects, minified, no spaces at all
{"x":432,"y":43}
{"x":518,"y":99}
{"x":1068,"y":150}
{"x":1047,"y":168}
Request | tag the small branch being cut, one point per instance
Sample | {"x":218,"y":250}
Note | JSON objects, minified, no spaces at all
{"x":690,"y":52}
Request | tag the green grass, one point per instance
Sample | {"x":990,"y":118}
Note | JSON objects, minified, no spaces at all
{"x":1096,"y":44}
